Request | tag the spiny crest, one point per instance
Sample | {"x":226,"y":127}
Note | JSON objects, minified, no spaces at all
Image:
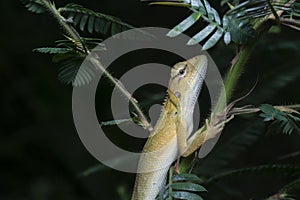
{"x":167,"y":104}
{"x":170,"y":101}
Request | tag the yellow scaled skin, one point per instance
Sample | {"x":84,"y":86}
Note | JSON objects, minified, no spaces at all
{"x":169,"y":139}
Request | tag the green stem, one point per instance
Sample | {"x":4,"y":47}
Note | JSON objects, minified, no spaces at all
{"x":261,"y":26}
{"x":125,"y":92}
{"x":62,"y":22}
{"x":238,"y":63}
{"x":232,"y":77}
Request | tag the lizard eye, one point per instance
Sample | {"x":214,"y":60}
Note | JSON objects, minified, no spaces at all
{"x":181,"y":71}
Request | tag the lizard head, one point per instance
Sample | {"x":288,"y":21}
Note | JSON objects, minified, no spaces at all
{"x":185,"y":83}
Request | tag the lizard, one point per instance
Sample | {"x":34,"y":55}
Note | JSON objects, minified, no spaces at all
{"x":172,"y":135}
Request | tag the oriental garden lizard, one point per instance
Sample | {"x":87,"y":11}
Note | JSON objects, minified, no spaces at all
{"x":172,"y":135}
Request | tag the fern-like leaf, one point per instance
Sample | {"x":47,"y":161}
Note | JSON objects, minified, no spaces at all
{"x":241,"y":31}
{"x":184,"y":25}
{"x":282,"y":169}
{"x":199,"y":37}
{"x":201,"y":10}
{"x":52,"y":50}
{"x":75,"y":45}
{"x":237,"y":24}
{"x":185,"y":195}
{"x":69,"y":70}
{"x":70,"y":54}
{"x":238,"y":31}
{"x":287,"y":121}
{"x":260,"y":8}
{"x":213,"y":39}
{"x":92,"y":21}
{"x":35,"y":6}
{"x":214,"y":27}
{"x":182,"y":186}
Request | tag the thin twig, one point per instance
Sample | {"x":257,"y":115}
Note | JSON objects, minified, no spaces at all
{"x":64,"y":23}
{"x":293,"y":23}
{"x":70,"y":30}
{"x":273,"y":11}
{"x":125,"y":92}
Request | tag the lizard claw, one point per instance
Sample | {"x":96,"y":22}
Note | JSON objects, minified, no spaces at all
{"x":177,"y":166}
{"x":215,"y":127}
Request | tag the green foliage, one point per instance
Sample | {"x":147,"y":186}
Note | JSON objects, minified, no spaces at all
{"x":253,"y":9}
{"x":240,"y":31}
{"x":262,"y":8}
{"x":213,"y":39}
{"x":182,"y":186}
{"x":81,"y":46}
{"x":237,"y":24}
{"x":188,"y":187}
{"x":85,"y":18}
{"x":209,"y":14}
{"x":287,"y":121}
{"x":134,"y":119}
{"x":282,"y":169}
{"x":92,"y":21}
{"x":71,"y":72}
{"x":116,"y":122}
{"x":35,"y":6}
{"x":186,"y":177}
{"x":185,"y":195}
{"x":294,"y":10}
{"x":184,"y":25}
{"x":228,"y":28}
{"x":70,"y":54}
{"x":52,"y":50}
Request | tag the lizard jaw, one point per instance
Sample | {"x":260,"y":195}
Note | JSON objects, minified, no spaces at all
{"x":195,"y":83}
{"x":196,"y":80}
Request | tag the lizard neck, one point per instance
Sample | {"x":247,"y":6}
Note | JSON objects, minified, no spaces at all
{"x":169,"y":106}
{"x":180,"y":108}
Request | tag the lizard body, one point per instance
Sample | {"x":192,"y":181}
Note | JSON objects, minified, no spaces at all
{"x":170,"y":137}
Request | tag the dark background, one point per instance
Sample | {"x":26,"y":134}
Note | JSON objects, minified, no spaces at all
{"x":41,"y":154}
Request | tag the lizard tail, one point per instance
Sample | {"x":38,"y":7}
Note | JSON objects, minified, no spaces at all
{"x":148,"y":185}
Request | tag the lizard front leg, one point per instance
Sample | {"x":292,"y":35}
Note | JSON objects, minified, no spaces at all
{"x":208,"y":131}
{"x":181,"y":136}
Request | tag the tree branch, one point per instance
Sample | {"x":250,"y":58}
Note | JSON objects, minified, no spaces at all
{"x":70,"y":30}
